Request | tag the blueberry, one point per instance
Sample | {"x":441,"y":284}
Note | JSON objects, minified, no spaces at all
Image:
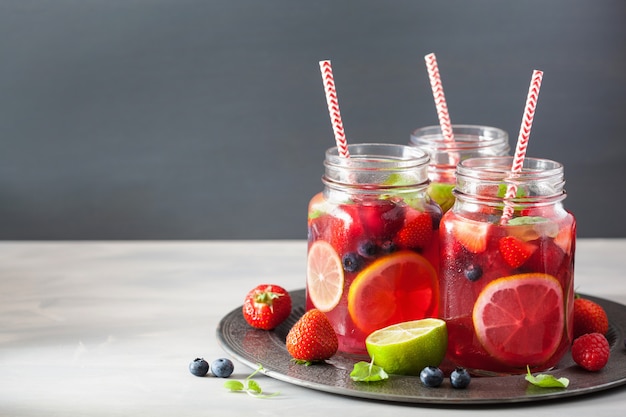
{"x":431,"y":376}
{"x":460,"y":378}
{"x":222,"y":368}
{"x":436,"y":219}
{"x":367,"y":249}
{"x":199,"y":367}
{"x":473,"y":272}
{"x":351,"y":262}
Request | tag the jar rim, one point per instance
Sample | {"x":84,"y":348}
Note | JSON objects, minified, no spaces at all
{"x":499,"y":168}
{"x":377,"y":156}
{"x":466,"y":137}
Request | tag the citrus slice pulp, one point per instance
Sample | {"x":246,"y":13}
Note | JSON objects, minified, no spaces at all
{"x":406,"y":348}
{"x":324,"y":276}
{"x":402,"y":286}
{"x":519,"y":319}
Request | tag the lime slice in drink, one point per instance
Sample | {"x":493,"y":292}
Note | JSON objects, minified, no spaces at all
{"x":407,"y":348}
{"x":410,"y":197}
{"x":442,"y":194}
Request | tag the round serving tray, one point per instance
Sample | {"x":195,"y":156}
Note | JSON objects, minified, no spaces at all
{"x":255,"y":347}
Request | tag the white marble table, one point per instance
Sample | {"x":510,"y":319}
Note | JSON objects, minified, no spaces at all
{"x":109,"y":328}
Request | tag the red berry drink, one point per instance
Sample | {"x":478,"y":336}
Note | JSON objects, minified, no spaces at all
{"x":470,"y":141}
{"x":373,"y":252}
{"x":507,"y":285}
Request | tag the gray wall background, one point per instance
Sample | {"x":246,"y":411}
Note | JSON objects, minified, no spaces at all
{"x":190,"y":119}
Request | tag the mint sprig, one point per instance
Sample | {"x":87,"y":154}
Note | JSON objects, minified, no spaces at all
{"x":249,"y":386}
{"x":546,"y":380}
{"x":367,"y":372}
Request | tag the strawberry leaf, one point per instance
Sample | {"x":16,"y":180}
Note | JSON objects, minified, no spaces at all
{"x":303,"y":362}
{"x":367,"y":372}
{"x":546,"y":380}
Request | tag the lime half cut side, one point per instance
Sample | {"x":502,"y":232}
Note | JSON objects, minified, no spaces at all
{"x":408,"y":347}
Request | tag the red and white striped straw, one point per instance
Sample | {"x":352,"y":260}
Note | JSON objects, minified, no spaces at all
{"x":333,"y":108}
{"x":440,"y":98}
{"x":522,"y":142}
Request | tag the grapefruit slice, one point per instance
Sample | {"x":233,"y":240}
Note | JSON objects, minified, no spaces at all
{"x":324,"y":276}
{"x":399,"y":287}
{"x":519,"y":319}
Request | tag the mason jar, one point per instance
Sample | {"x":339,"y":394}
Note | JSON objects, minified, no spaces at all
{"x":507,"y":267}
{"x":373,"y":252}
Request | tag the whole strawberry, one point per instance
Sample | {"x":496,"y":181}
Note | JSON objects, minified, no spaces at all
{"x":589,"y":317}
{"x":591,"y":351}
{"x":266,"y":306}
{"x":417,"y":231}
{"x":312,"y":338}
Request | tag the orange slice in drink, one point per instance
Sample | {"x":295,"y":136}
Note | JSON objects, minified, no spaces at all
{"x":324,"y":276}
{"x":399,"y":287}
{"x":519,"y":319}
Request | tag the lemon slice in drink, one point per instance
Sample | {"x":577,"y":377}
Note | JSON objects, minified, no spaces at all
{"x":399,"y":287}
{"x":324,"y":277}
{"x":407,"y":348}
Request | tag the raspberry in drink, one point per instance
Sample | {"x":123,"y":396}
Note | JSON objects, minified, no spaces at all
{"x":373,"y":252}
{"x":507,"y":286}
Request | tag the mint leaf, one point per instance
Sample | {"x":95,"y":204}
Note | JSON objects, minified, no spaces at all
{"x":546,"y":380}
{"x":254,"y":386}
{"x":234,"y":385}
{"x":527,"y":220}
{"x":251,"y":387}
{"x":367,"y":372}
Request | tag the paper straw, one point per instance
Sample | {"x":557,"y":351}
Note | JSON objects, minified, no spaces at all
{"x":440,"y":98}
{"x":333,"y":108}
{"x":522,"y":142}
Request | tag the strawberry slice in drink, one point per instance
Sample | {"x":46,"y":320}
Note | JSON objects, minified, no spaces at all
{"x":471,"y":234}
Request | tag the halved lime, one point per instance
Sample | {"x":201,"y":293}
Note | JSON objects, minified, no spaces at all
{"x":407,"y":348}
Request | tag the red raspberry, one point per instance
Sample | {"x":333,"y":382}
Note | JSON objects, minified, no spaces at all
{"x":591,"y":351}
